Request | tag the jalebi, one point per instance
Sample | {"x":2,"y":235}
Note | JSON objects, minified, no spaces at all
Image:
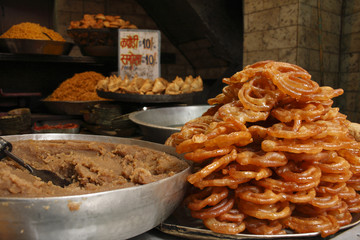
{"x":271,"y":155}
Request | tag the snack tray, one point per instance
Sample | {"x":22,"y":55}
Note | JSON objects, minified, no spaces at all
{"x":181,"y":224}
{"x":139,"y":98}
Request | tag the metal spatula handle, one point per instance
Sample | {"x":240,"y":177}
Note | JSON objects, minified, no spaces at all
{"x":6,"y":147}
{"x":45,"y":175}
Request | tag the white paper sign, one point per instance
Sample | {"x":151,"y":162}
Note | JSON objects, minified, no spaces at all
{"x":139,"y":53}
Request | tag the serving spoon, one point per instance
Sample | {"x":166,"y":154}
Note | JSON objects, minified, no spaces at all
{"x":44,"y":175}
{"x":47,"y":35}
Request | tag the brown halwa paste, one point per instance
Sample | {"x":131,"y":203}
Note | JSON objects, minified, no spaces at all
{"x":91,"y":166}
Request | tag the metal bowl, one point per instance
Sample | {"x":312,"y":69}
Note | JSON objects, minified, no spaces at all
{"x":158,"y":124}
{"x":31,"y":46}
{"x":94,"y":36}
{"x":116,"y":214}
{"x":96,"y":42}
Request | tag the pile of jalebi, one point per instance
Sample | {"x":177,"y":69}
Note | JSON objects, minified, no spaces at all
{"x":272,"y":154}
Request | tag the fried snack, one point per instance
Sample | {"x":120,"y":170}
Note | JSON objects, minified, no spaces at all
{"x":159,"y":86}
{"x":150,"y":87}
{"x":101,"y":21}
{"x":354,"y":129}
{"x":274,"y":151}
{"x":28,"y":30}
{"x":80,"y":87}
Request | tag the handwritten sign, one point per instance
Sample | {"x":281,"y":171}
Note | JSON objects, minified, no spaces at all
{"x":139,"y":53}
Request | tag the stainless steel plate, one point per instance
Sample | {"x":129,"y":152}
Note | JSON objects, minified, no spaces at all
{"x":30,"y":46}
{"x":181,"y":224}
{"x":159,"y":123}
{"x":117,"y":214}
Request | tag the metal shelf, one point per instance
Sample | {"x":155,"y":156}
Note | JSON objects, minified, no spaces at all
{"x":56,"y":59}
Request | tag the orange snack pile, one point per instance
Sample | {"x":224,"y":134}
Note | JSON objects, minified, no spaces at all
{"x":80,"y":87}
{"x":272,"y":154}
{"x":101,"y":21}
{"x":28,"y":30}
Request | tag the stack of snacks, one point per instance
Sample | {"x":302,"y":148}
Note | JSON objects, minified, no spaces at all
{"x":28,"y":30}
{"x":101,"y":21}
{"x":147,"y":86}
{"x":80,"y":87}
{"x":272,"y":154}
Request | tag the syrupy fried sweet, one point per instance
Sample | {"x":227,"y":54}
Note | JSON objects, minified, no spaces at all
{"x":91,"y":166}
{"x":284,"y":154}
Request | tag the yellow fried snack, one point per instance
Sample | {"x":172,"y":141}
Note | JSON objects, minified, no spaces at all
{"x":143,"y":86}
{"x":27,"y":30}
{"x":101,"y":21}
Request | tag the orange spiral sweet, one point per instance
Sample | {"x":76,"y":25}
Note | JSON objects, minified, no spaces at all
{"x":272,"y":155}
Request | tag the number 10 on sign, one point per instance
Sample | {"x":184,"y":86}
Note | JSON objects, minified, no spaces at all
{"x":139,"y":53}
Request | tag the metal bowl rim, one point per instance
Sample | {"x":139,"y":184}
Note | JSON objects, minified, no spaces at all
{"x":87,"y":195}
{"x":36,"y":41}
{"x":133,"y":116}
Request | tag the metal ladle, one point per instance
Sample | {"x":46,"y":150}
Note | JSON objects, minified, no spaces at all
{"x":44,"y":175}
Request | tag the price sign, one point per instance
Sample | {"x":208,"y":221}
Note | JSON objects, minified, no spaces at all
{"x":139,"y":53}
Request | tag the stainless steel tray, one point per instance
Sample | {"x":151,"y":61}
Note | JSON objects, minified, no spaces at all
{"x":181,"y":224}
{"x":116,"y":214}
{"x":30,"y":46}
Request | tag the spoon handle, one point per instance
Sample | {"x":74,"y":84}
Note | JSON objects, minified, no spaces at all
{"x":5,"y":150}
{"x":4,"y":145}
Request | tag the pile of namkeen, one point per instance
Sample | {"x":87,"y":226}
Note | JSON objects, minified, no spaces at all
{"x":147,"y":86}
{"x":28,"y":30}
{"x":80,"y":87}
{"x":271,"y":155}
{"x":101,"y":21}
{"x":90,"y":166}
